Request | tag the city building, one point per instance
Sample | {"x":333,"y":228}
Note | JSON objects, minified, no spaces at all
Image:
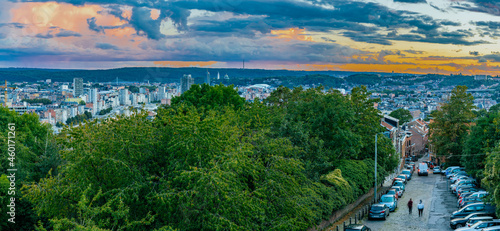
{"x":77,"y":87}
{"x":186,"y":82}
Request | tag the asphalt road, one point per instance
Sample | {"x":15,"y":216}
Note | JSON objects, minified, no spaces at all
{"x":438,"y":201}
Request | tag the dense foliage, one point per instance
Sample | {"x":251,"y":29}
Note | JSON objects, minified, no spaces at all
{"x":33,"y":101}
{"x":105,"y":111}
{"x":201,"y":164}
{"x":364,"y":79}
{"x":79,"y":118}
{"x":402,"y":115}
{"x":36,"y":153}
{"x":468,"y":141}
{"x":451,"y":124}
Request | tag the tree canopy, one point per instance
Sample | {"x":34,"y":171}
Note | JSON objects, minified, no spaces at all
{"x":451,"y":124}
{"x":212,"y":161}
{"x":402,"y":115}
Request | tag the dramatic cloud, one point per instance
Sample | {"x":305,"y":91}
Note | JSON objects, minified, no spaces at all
{"x":106,"y":46}
{"x":67,"y":33}
{"x":390,"y":35}
{"x":475,"y":53}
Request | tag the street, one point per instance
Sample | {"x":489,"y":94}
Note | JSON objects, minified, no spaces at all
{"x":438,"y":201}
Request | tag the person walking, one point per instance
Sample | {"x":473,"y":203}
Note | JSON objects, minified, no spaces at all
{"x":410,"y":205}
{"x":420,"y":208}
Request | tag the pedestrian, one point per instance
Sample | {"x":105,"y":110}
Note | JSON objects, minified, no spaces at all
{"x":410,"y":205}
{"x":420,"y":208}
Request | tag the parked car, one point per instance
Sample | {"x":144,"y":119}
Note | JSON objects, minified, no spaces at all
{"x":481,"y":225}
{"x":436,"y":170}
{"x":399,"y":183}
{"x":470,"y":201}
{"x":473,"y":208}
{"x":453,"y":170}
{"x":356,"y":227}
{"x":390,"y":201}
{"x":469,"y":190}
{"x":393,"y":192}
{"x":462,"y":188}
{"x":404,"y":177}
{"x":460,"y":175}
{"x":492,"y":228}
{"x":460,"y":222}
{"x":423,"y":169}
{"x":475,"y":220}
{"x":378,"y":211}
{"x":453,"y":186}
{"x":398,"y":190}
{"x":407,"y":173}
{"x":479,"y":194}
{"x":456,"y":175}
{"x":471,"y":195}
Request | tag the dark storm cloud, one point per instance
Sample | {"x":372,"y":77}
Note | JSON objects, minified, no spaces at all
{"x":141,"y":21}
{"x":68,"y":33}
{"x":475,"y":53}
{"x":369,"y":38}
{"x":106,"y":46}
{"x":484,"y":6}
{"x":44,"y":36}
{"x":489,"y":24}
{"x":91,"y":22}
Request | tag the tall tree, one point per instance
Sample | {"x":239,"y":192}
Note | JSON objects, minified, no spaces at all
{"x":402,"y":115}
{"x":451,"y":123}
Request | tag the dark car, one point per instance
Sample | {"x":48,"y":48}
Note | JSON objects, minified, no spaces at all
{"x":460,"y":222}
{"x":473,"y":208}
{"x":470,"y":201}
{"x":378,"y":211}
{"x":356,"y":227}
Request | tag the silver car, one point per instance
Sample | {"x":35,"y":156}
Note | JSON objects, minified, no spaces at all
{"x":390,"y":201}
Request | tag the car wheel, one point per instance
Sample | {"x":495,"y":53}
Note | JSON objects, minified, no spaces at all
{"x":459,"y":226}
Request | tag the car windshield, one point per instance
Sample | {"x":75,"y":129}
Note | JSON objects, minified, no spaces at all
{"x":398,"y":183}
{"x":406,"y":172}
{"x":391,"y":192}
{"x":387,"y":199}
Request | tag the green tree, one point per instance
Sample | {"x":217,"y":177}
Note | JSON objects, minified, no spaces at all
{"x":402,"y":115}
{"x":451,"y":124}
{"x":210,"y":97}
{"x":481,"y":140}
{"x":491,"y":179}
{"x":81,"y":102}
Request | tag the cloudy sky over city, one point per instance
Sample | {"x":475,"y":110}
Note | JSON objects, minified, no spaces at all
{"x":408,"y":36}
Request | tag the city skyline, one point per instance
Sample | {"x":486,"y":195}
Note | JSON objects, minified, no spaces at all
{"x":404,"y":36}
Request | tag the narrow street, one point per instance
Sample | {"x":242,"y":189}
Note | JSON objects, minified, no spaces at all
{"x":438,"y":201}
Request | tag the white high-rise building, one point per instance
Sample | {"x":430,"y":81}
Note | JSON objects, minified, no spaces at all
{"x":124,"y":98}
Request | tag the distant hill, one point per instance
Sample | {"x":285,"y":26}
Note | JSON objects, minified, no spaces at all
{"x":151,"y":74}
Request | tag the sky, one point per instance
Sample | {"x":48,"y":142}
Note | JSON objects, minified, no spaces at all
{"x":402,"y":36}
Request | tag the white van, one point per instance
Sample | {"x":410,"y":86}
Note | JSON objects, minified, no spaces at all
{"x":423,"y":169}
